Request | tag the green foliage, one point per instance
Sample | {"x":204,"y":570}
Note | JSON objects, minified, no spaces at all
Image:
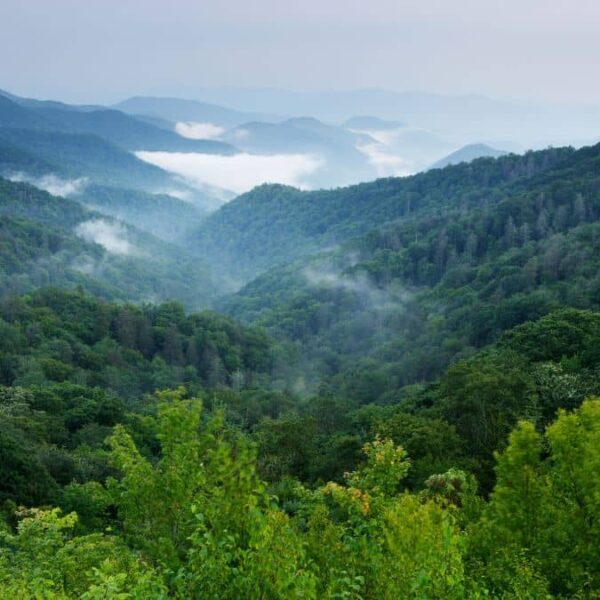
{"x":545,"y":509}
{"x":197,"y":522}
{"x":43,"y":560}
{"x":448,"y":346}
{"x":396,"y":305}
{"x":274,"y":224}
{"x":39,"y":246}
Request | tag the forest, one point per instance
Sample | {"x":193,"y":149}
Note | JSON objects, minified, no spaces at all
{"x":385,"y":391}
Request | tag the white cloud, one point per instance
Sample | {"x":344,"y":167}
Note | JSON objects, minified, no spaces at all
{"x":111,"y":236}
{"x":240,"y":172}
{"x":373,"y":297}
{"x":384,"y":136}
{"x":385,"y":162}
{"x":198,"y":131}
{"x":52,"y":183}
{"x":184,"y":195}
{"x":240,"y":134}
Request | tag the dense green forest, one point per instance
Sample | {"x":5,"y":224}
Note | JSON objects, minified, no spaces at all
{"x":273,"y":224}
{"x":401,"y":401}
{"x":48,"y":240}
{"x":148,"y":496}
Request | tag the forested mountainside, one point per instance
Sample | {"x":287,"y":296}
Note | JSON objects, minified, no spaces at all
{"x":273,"y":224}
{"x":49,"y":240}
{"x":112,"y":125}
{"x":92,"y":145}
{"x":82,"y":154}
{"x":164,"y":216}
{"x":160,"y":214}
{"x":79,"y":367}
{"x":395,"y":306}
{"x":406,"y":406}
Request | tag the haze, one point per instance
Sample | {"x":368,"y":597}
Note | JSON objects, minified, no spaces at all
{"x":511,"y":48}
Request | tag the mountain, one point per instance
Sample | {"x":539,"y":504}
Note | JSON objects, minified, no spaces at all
{"x":274,"y":224}
{"x":176,"y":109}
{"x":365,"y":123}
{"x":113,"y":125}
{"x":414,"y":148}
{"x":167,"y":217}
{"x":164,"y":216}
{"x":467,"y":154}
{"x":461,"y":118}
{"x":303,"y":134}
{"x":395,"y":306}
{"x":16,"y":160}
{"x":16,"y":116}
{"x":48,"y":239}
{"x":338,"y":150}
{"x":402,"y":399}
{"x":86,"y":155}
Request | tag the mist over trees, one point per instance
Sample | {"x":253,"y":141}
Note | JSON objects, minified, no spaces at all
{"x":386,"y":390}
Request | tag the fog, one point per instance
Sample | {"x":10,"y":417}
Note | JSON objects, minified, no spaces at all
{"x":372,"y":296}
{"x":198,"y":131}
{"x":52,"y":183}
{"x":386,"y":163}
{"x":113,"y":237}
{"x":238,"y":173}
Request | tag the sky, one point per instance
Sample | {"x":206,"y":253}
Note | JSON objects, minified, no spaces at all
{"x":106,"y":50}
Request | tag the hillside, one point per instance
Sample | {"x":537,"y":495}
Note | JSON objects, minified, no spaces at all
{"x":47,"y":239}
{"x":161,"y":215}
{"x":87,"y":155}
{"x":272,"y":225}
{"x":397,"y":373}
{"x":397,"y":305}
{"x":112,"y":125}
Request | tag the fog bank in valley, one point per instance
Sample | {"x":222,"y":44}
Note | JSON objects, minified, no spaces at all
{"x":238,"y":173}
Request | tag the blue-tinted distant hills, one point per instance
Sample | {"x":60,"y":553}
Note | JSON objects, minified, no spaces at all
{"x":114,"y":126}
{"x":178,"y":109}
{"x":467,"y":154}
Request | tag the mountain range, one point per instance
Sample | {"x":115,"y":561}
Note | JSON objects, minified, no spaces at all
{"x":398,"y":378}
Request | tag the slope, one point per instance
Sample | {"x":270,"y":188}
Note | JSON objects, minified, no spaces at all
{"x":394,"y":307}
{"x":273,"y":224}
{"x":113,"y":125}
{"x":48,"y":239}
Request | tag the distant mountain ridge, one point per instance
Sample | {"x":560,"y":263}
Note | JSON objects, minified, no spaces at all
{"x":113,"y":125}
{"x":465,"y":117}
{"x":369,"y":122}
{"x":177,"y":109}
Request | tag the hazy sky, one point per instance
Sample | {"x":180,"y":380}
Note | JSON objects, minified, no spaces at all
{"x":105,"y":50}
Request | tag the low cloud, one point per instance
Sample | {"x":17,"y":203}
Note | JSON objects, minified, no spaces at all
{"x":85,"y":265}
{"x":111,"y":236}
{"x":198,"y":131}
{"x":386,"y":137}
{"x":52,"y":183}
{"x":240,"y":172}
{"x":377,"y":146}
{"x":385,"y":162}
{"x":373,"y":297}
